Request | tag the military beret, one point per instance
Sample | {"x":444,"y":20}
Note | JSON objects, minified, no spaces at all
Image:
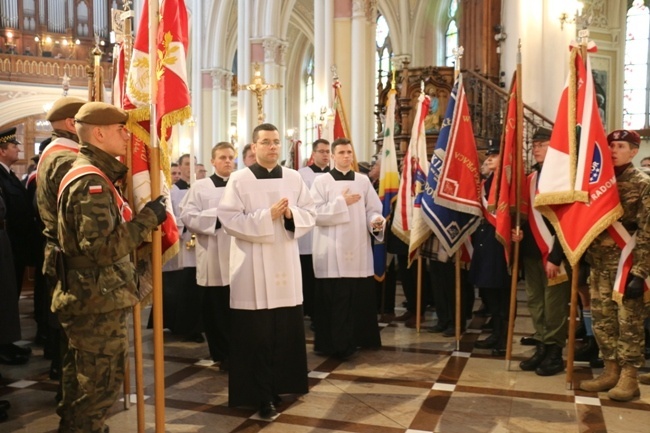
{"x":8,"y":136}
{"x":101,"y":113}
{"x":64,"y":108}
{"x":631,"y":137}
{"x":493,"y":147}
{"x":542,"y":134}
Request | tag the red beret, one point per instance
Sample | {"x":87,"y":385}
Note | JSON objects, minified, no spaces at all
{"x":631,"y":137}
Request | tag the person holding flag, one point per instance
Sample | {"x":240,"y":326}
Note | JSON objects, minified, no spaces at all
{"x":620,"y":264}
{"x":488,"y":269}
{"x":547,"y":285}
{"x":96,"y":232}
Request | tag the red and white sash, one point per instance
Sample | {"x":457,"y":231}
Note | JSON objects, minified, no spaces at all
{"x":84,"y":170}
{"x":57,"y":145}
{"x":543,"y":237}
{"x":626,"y":243}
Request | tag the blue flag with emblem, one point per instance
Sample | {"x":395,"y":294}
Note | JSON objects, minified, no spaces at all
{"x":452,"y":215}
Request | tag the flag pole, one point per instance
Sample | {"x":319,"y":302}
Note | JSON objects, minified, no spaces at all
{"x":584,"y":40}
{"x":137,"y":308}
{"x":458,"y":53}
{"x":516,"y":167}
{"x":156,"y":245}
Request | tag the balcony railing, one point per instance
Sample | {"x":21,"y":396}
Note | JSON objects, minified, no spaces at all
{"x":40,"y":70}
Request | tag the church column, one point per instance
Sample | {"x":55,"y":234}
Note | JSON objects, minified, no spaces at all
{"x":196,"y":84}
{"x":246,"y":105}
{"x":220,"y":112}
{"x":359,"y":102}
{"x":273,"y":74}
{"x":323,"y":52}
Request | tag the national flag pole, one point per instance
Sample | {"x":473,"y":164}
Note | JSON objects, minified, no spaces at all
{"x":156,"y":257}
{"x":516,"y":167}
{"x":458,"y":53}
{"x":575,"y":267}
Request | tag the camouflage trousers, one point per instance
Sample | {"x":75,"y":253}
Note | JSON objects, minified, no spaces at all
{"x":93,"y":369}
{"x":618,"y":328}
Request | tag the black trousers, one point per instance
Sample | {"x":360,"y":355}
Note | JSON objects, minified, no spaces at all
{"x":216,"y":321}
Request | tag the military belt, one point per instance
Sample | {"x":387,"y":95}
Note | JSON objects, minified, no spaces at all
{"x":83,"y":262}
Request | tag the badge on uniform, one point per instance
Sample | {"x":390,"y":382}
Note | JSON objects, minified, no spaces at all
{"x":95,"y":189}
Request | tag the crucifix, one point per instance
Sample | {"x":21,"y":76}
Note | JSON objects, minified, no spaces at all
{"x":259,"y":87}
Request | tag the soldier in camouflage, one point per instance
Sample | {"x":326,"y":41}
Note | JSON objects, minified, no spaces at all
{"x":55,"y":161}
{"x":96,"y":235}
{"x":618,"y":320}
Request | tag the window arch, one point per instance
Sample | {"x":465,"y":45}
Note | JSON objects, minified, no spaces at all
{"x":636,"y":87}
{"x":309,"y":134}
{"x":383,"y":55}
{"x":451,"y":35}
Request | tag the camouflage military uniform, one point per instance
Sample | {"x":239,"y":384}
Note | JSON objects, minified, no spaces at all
{"x":619,"y":328}
{"x":101,"y":286}
{"x":51,"y":169}
{"x":48,"y":178}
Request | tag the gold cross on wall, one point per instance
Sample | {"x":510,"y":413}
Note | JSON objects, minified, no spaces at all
{"x":259,"y":87}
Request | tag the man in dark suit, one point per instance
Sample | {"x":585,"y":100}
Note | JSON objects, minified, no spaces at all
{"x":20,"y":214}
{"x":19,"y":225}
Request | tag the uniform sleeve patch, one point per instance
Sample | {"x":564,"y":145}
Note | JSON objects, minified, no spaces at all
{"x":95,"y":189}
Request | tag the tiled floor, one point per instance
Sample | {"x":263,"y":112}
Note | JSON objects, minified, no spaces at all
{"x":416,"y":383}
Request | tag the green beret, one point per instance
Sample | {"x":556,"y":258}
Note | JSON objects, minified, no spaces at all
{"x":101,"y":113}
{"x":64,"y":108}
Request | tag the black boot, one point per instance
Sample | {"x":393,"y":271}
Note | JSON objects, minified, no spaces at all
{"x":534,"y":361}
{"x":587,"y":351}
{"x":499,"y":349}
{"x":493,"y":339}
{"x":553,"y":363}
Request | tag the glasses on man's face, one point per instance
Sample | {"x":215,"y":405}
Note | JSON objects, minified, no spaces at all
{"x":269,"y":143}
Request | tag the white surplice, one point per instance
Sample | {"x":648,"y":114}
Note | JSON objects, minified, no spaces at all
{"x":342,"y":246}
{"x":199,"y":212}
{"x":264,"y":262}
{"x":308,"y":175}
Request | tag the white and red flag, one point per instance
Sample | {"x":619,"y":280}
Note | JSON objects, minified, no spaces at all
{"x":577,"y":185}
{"x":172,"y":105}
{"x":409,"y":224}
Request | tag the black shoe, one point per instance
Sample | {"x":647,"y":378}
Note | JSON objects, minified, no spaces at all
{"x":224,"y":365}
{"x":451,"y":332}
{"x":5,"y":405}
{"x":267,"y":410}
{"x":13,"y":359}
{"x":489,"y":343}
{"x":587,"y":351}
{"x":277,"y":400}
{"x":499,"y":351}
{"x":553,"y":363}
{"x":12,"y":349}
{"x":529,"y":341}
{"x":534,"y":361}
{"x":437,"y":328}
